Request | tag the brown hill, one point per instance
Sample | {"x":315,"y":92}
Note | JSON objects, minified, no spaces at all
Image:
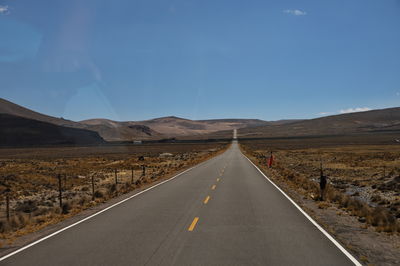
{"x":20,"y":131}
{"x":176,"y":126}
{"x":7,"y":107}
{"x":384,"y":120}
{"x":117,"y":131}
{"x":109,"y":130}
{"x":172,"y":126}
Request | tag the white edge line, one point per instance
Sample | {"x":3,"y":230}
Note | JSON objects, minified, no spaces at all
{"x":99,"y":212}
{"x":337,"y":244}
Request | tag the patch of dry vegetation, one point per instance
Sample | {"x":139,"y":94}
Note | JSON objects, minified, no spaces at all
{"x":363,"y":180}
{"x":88,"y":175}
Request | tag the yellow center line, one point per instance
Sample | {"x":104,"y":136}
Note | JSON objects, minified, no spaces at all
{"x":206,"y":200}
{"x":193,"y":225}
{"x":213,"y":187}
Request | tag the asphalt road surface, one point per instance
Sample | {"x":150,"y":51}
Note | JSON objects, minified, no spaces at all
{"x":223,"y":212}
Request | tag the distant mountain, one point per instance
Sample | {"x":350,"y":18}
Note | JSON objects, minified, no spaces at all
{"x":7,"y":107}
{"x":158,"y":128}
{"x":117,"y":131}
{"x":107,"y":129}
{"x":20,"y":131}
{"x":176,"y":126}
{"x":284,"y":121}
{"x":171,"y":126}
{"x":384,"y":120}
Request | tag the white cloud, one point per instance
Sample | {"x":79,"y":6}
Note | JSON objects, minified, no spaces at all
{"x":353,"y":110}
{"x":324,"y":113}
{"x":4,"y":10}
{"x":295,"y":12}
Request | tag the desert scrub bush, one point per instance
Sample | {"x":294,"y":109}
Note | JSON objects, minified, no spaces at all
{"x":19,"y":221}
{"x":83,"y":200}
{"x":288,"y":174}
{"x":27,"y":206}
{"x":323,"y":205}
{"x":41,"y":211}
{"x":112,"y":189}
{"x":24,"y":219}
{"x":3,"y":226}
{"x":344,"y":201}
{"x":353,"y":205}
{"x":14,"y":222}
{"x":333,"y":195}
{"x":382,"y":219}
{"x":40,"y":219}
{"x":66,"y":207}
{"x":362,"y":211}
{"x":375,"y":217}
{"x":98,"y":194}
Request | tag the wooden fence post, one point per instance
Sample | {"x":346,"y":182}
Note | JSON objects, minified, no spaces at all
{"x":132,"y":176}
{"x":65,"y":181}
{"x":143,"y":170}
{"x":60,"y":190}
{"x":8,"y":204}
{"x":92,"y":187}
{"x":116,"y":182}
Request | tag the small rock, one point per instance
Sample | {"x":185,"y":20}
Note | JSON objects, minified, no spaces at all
{"x":362,"y":219}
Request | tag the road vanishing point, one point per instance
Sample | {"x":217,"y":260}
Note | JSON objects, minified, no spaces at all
{"x":221,"y":212}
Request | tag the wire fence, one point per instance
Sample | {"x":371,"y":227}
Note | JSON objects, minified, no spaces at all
{"x":64,"y":193}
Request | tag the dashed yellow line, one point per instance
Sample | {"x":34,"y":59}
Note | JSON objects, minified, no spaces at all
{"x":213,"y":187}
{"x":193,"y":224}
{"x":206,"y":200}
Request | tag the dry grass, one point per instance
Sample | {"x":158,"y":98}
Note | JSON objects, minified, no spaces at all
{"x":34,"y":187}
{"x":363,"y":179}
{"x":323,"y":205}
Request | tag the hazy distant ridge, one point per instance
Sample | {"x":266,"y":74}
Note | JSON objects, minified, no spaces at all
{"x":383,"y":120}
{"x":172,"y":126}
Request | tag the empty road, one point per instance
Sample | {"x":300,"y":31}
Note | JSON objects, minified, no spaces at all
{"x":223,"y":212}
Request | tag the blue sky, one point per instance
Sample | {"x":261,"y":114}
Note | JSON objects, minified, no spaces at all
{"x":134,"y":60}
